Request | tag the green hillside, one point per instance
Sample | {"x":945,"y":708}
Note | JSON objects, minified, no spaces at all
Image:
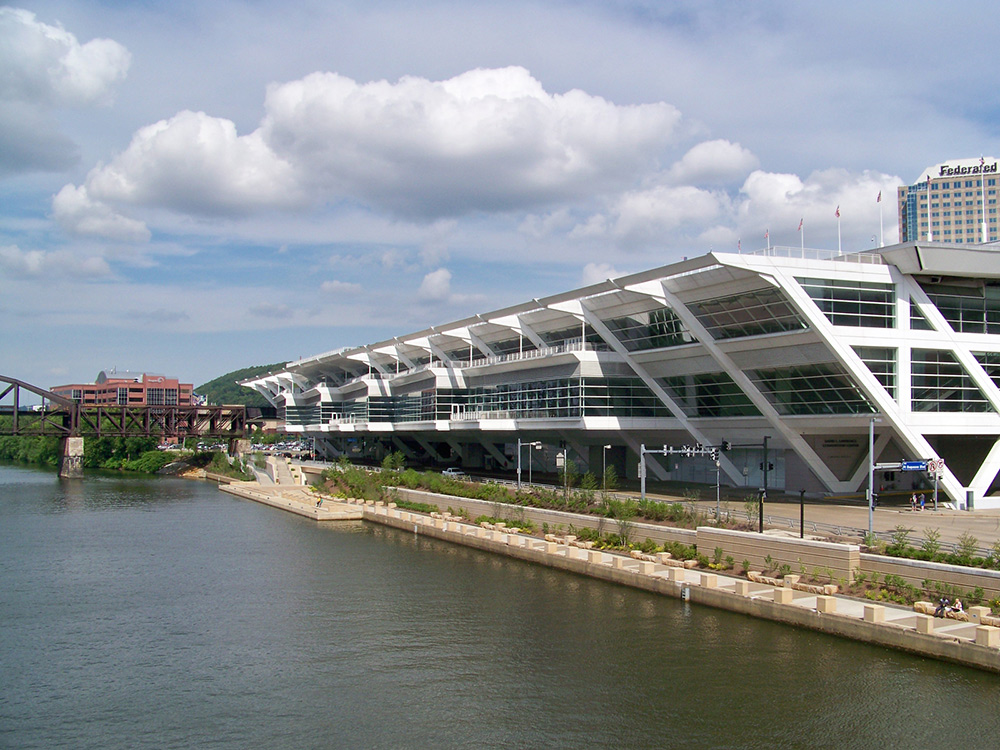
{"x":225,"y":390}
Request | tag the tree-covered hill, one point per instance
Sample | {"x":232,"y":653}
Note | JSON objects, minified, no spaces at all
{"x":225,"y":390}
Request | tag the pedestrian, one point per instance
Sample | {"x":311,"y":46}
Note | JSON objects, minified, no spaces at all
{"x":913,"y":502}
{"x":942,"y":606}
{"x":922,"y":501}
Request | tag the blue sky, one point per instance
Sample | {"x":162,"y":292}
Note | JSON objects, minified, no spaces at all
{"x":194,"y":187}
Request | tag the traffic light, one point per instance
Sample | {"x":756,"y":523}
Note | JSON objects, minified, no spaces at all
{"x":770,"y":466}
{"x":726,"y":445}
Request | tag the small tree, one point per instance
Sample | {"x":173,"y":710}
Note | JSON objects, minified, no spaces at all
{"x":625,"y":514}
{"x":569,"y":474}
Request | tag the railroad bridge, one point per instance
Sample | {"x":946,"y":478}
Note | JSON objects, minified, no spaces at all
{"x":72,"y":421}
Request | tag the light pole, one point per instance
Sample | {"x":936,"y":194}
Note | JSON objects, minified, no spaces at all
{"x":519,"y":464}
{"x":564,"y":457}
{"x":536,"y":446}
{"x":718,"y":466}
{"x":871,"y":472}
{"x":604,"y":456}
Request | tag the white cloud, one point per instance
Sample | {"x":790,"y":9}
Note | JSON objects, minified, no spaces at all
{"x":77,"y":213}
{"x":196,"y":164}
{"x":644,"y":215}
{"x":486,"y":140}
{"x":16,"y":262}
{"x":46,"y":64}
{"x":436,"y":285}
{"x":43,"y":67}
{"x":714,"y":163}
{"x":597,"y":272}
{"x":779,"y":201}
{"x":339,"y":287}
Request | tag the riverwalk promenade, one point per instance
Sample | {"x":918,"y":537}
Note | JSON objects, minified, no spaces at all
{"x":972,"y":642}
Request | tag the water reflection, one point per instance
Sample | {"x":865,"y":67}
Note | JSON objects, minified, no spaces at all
{"x":164,"y":613}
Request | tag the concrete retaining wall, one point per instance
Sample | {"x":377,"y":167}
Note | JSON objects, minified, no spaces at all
{"x":554,"y":518}
{"x":841,"y":559}
{"x":917,"y":571}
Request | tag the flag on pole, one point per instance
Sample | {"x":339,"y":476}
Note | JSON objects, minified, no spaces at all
{"x":838,"y":212}
{"x":739,"y":246}
{"x":879,"y":199}
{"x":767,"y":233}
{"x":800,"y":224}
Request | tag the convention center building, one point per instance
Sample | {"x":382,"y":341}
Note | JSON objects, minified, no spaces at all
{"x":793,"y":360}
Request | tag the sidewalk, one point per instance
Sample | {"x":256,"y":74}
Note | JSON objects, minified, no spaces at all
{"x":984,"y":525}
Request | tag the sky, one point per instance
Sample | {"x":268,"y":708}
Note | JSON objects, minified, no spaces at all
{"x":189,"y":188}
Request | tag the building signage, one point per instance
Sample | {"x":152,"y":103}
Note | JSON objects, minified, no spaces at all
{"x":947,"y":171}
{"x":914,"y":466}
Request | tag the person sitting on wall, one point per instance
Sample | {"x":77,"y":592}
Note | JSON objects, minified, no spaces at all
{"x":942,"y":606}
{"x":957,"y":606}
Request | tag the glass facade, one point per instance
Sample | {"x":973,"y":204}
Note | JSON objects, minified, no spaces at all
{"x":917,"y":320}
{"x":968,"y":310}
{"x":712,"y":394}
{"x":656,"y":329}
{"x":861,"y":304}
{"x":882,"y":363}
{"x":811,"y":389}
{"x":748,"y":314}
{"x":939,"y":383}
{"x":991,"y":363}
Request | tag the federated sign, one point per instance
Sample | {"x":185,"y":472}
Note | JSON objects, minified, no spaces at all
{"x":913,"y":466}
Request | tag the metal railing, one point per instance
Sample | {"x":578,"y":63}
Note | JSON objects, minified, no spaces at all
{"x":813,"y":253}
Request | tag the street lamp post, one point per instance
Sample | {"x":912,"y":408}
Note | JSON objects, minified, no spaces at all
{"x":871,"y":473}
{"x":604,"y":456}
{"x":519,"y":464}
{"x":533,"y":444}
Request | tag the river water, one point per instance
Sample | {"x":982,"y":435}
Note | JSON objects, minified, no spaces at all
{"x":161,"y":613}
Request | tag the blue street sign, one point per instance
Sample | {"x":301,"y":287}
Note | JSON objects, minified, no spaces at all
{"x":914,"y":466}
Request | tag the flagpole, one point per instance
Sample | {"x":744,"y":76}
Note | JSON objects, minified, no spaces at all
{"x":840,"y":250}
{"x":767,"y":236}
{"x":802,"y":238}
{"x":881,"y":230}
{"x":930,"y":231}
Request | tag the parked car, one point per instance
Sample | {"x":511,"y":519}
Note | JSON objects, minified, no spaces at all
{"x":453,"y":473}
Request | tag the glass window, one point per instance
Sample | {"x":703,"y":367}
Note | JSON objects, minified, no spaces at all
{"x":656,"y":329}
{"x":860,"y":304}
{"x":713,"y":394}
{"x":991,"y":363}
{"x":973,"y":309}
{"x":882,"y":363}
{"x":917,"y":320}
{"x":939,"y":383}
{"x":748,"y":314}
{"x":811,"y":389}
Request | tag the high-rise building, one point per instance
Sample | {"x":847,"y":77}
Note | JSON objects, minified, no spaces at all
{"x":962,"y":203}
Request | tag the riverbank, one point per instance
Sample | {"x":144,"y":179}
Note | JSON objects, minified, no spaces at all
{"x":970,"y":643}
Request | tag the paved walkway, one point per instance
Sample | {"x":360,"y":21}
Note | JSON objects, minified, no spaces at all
{"x":984,"y":525}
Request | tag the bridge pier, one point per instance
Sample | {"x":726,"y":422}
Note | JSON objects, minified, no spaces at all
{"x":71,"y":458}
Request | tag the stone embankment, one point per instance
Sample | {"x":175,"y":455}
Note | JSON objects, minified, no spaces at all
{"x":974,"y":642}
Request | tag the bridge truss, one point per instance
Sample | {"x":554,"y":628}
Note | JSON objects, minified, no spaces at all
{"x":62,"y":417}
